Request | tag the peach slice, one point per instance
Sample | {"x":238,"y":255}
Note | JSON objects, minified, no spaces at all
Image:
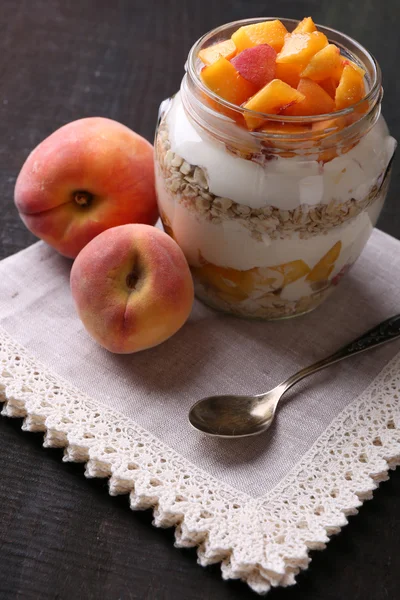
{"x":307,"y":25}
{"x":333,"y":125}
{"x":316,"y":100}
{"x":232,"y":283}
{"x":256,"y":64}
{"x":223,"y":79}
{"x":292,"y":271}
{"x":329,"y":85}
{"x":272,"y":99}
{"x":347,"y":61}
{"x":210,"y":55}
{"x":268,"y":32}
{"x":351,"y":88}
{"x":285,"y":130}
{"x":288,"y":73}
{"x":325,"y":266}
{"x":325,"y":63}
{"x":300,"y":47}
{"x":323,"y":129}
{"x":281,"y":127}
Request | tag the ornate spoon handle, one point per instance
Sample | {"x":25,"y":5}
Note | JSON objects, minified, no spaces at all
{"x":380,"y":334}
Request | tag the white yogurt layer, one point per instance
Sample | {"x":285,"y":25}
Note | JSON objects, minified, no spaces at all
{"x":281,"y":182}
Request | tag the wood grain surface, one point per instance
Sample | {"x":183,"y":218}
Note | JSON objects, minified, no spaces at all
{"x":61,"y":536}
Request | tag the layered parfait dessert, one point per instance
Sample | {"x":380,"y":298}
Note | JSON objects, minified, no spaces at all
{"x":272,"y":164}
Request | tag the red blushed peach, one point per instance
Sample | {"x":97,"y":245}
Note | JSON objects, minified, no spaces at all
{"x":86,"y":177}
{"x":132,"y":288}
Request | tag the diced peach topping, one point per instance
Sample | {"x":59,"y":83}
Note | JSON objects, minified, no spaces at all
{"x":300,"y":47}
{"x":329,"y":126}
{"x":325,"y":266}
{"x":222,"y":78}
{"x":323,"y":129}
{"x":290,"y":74}
{"x":272,"y":99}
{"x":316,"y":100}
{"x":351,"y":88}
{"x":325,"y":63}
{"x":210,"y":55}
{"x":307,"y":25}
{"x":282,"y":127}
{"x":268,"y":32}
{"x":347,"y":61}
{"x":329,"y":86}
{"x":257,"y":64}
{"x":307,"y":77}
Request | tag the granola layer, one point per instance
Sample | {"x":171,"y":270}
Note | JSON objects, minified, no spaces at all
{"x":188,"y":183}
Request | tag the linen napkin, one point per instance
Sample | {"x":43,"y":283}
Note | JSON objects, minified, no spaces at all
{"x":257,"y":505}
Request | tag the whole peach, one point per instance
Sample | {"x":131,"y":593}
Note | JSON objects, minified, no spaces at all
{"x":132,"y":288}
{"x":86,"y":177}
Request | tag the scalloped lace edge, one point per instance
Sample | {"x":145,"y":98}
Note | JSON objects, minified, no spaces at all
{"x":265,"y":541}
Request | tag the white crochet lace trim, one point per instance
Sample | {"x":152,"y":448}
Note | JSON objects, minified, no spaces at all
{"x":263,"y":541}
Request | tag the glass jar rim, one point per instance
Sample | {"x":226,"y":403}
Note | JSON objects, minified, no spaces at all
{"x":374,"y":94}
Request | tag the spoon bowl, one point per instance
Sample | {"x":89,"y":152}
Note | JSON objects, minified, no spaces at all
{"x":230,"y":416}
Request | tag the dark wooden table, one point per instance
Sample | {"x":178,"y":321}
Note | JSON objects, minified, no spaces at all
{"x":62,"y":536}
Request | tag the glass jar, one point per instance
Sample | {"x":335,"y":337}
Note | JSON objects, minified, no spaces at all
{"x":270,"y":220}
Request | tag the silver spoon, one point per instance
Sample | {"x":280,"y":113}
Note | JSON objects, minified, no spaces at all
{"x":241,"y":416}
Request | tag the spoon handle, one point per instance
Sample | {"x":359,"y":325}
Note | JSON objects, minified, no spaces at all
{"x":380,"y":334}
